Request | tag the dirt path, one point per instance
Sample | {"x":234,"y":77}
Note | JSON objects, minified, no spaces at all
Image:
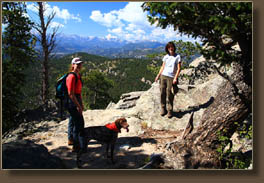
{"x":135,"y":154}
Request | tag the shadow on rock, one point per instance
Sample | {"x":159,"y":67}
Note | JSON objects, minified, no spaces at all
{"x":95,"y":158}
{"x":181,"y":113}
{"x":135,"y":141}
{"x":25,"y":154}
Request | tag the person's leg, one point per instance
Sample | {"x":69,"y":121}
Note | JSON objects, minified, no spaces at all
{"x":70,"y":131}
{"x":78,"y":127}
{"x":75,"y":117}
{"x":81,"y":135}
{"x":170,"y":96}
{"x":163,"y":85}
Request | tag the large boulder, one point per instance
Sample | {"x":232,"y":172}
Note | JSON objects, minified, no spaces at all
{"x":127,"y":100}
{"x":190,"y":98}
{"x":143,"y":108}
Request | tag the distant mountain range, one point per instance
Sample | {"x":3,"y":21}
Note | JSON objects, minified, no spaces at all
{"x":113,"y":48}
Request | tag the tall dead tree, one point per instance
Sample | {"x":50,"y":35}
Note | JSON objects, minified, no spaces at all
{"x":48,"y":43}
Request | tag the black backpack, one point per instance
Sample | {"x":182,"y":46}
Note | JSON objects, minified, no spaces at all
{"x":61,"y":89}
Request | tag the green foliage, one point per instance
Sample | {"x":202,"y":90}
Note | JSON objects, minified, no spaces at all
{"x":106,"y":79}
{"x":95,"y":91}
{"x":230,"y":159}
{"x":187,"y":77}
{"x":210,"y":21}
{"x":127,"y":75}
{"x":17,"y":55}
{"x":147,"y":160}
{"x":155,"y":55}
{"x":187,"y":51}
{"x":153,"y":69}
{"x":245,"y":130}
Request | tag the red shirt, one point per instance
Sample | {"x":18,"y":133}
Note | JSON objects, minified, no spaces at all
{"x":70,"y":83}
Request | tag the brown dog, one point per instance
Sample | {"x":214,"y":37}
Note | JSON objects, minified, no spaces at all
{"x":106,"y":134}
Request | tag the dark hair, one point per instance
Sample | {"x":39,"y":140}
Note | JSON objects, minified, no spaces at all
{"x":169,"y":44}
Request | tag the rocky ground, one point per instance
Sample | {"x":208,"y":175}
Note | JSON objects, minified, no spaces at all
{"x":131,"y":151}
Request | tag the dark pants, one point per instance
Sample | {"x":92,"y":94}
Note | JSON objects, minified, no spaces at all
{"x":70,"y":128}
{"x":76,"y":123}
{"x":165,"y":91}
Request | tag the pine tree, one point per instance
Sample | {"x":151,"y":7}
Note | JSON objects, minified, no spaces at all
{"x":17,"y":55}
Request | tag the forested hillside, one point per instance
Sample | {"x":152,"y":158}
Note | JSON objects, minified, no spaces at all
{"x":124,"y":75}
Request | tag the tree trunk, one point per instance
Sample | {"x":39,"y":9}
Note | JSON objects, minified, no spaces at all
{"x":232,"y":104}
{"x":44,"y":51}
{"x":48,"y":44}
{"x":45,"y":84}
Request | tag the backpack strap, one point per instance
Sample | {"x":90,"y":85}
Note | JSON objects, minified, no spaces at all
{"x":76,"y":77}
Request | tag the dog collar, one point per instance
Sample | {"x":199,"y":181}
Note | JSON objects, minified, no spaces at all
{"x":112,"y":126}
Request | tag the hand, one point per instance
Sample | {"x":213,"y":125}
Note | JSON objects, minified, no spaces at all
{"x":157,"y":78}
{"x":80,"y":110}
{"x":174,"y":81}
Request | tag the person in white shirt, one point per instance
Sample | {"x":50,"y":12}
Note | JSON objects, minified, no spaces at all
{"x":168,"y":76}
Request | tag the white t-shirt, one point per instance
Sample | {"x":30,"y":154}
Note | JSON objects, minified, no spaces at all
{"x":171,"y":63}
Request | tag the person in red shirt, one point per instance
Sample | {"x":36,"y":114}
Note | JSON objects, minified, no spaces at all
{"x":75,"y":105}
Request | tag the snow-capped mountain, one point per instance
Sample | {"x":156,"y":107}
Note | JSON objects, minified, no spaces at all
{"x":111,"y":47}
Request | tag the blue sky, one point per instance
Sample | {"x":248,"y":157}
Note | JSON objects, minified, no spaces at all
{"x":121,"y":20}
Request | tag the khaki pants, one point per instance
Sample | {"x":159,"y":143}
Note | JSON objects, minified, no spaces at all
{"x":166,"y":91}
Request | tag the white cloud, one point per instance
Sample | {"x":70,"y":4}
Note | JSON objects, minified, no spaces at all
{"x":106,"y":19}
{"x":116,"y":31}
{"x":131,"y":14}
{"x":130,"y":23}
{"x":97,"y":16}
{"x":131,"y":27}
{"x":139,"y":32}
{"x":168,"y":33}
{"x":56,"y":24}
{"x":60,"y":13}
{"x":64,"y":14}
{"x":32,"y":7}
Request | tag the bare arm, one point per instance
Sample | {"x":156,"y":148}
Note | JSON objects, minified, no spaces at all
{"x":177,"y":73}
{"x":161,"y":70}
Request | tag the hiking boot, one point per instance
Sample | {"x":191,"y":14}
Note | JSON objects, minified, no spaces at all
{"x":76,"y":148}
{"x":170,"y":114}
{"x":163,"y":112}
{"x":70,"y":142}
{"x":83,"y":151}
